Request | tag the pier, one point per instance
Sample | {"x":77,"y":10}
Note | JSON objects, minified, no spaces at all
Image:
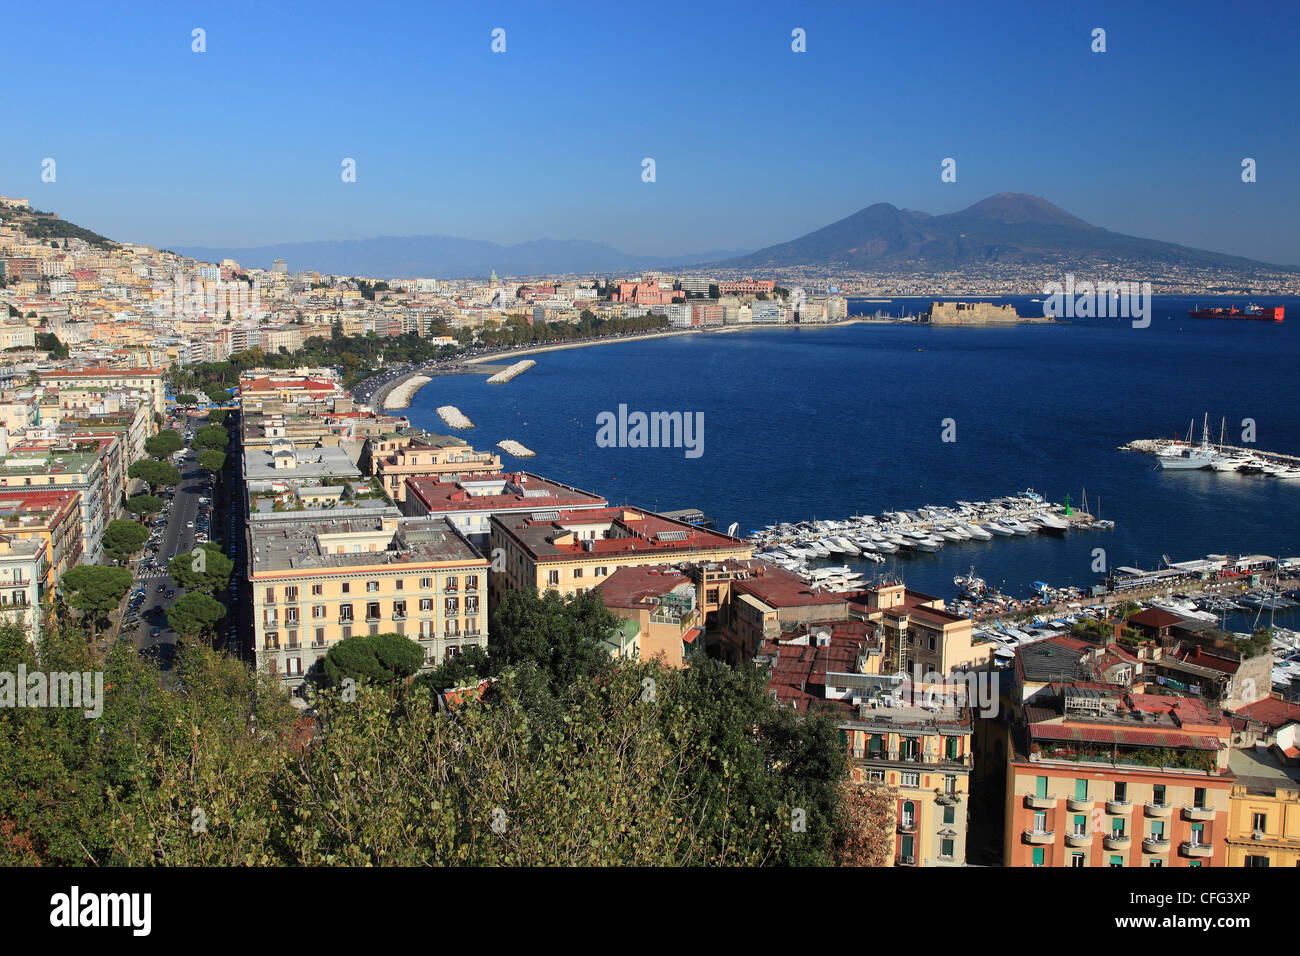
{"x":454,"y":417}
{"x":500,"y":378}
{"x":1152,"y":446}
{"x":511,"y":447}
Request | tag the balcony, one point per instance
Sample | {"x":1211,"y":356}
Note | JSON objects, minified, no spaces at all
{"x":1198,"y":814}
{"x":1117,"y":808}
{"x":1080,"y":805}
{"x":907,"y":825}
{"x":1039,"y":803}
{"x":1155,"y":845}
{"x":1160,"y":811}
{"x":1039,"y":837}
{"x":907,"y":861}
{"x":1196,"y":850}
{"x":947,"y":799}
{"x":1078,"y":838}
{"x":346,"y":620}
{"x":1117,"y":841}
{"x":399,"y":615}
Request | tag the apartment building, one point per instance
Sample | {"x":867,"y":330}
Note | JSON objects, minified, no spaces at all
{"x":23,"y":568}
{"x":1100,"y":775}
{"x":575,"y":550}
{"x":661,"y":604}
{"x":150,"y":381}
{"x":920,"y":632}
{"x":922,"y":751}
{"x":394,"y":458}
{"x":316,"y":581}
{"x":50,"y":517}
{"x":82,"y":466}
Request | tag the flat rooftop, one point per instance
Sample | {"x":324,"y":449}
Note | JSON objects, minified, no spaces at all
{"x":1261,"y":772}
{"x":315,"y":544}
{"x":617,"y":532}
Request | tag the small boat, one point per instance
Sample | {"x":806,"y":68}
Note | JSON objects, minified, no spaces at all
{"x":997,"y":529}
{"x":978,"y":532}
{"x":1052,"y":523}
{"x":929,"y":544}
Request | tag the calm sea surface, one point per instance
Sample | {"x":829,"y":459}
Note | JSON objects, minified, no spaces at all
{"x":826,"y":423}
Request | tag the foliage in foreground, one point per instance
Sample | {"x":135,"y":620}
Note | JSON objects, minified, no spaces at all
{"x":627,"y":763}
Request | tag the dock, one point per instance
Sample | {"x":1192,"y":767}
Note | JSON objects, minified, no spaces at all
{"x":454,"y":417}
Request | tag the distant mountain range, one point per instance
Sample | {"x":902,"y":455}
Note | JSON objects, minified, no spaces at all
{"x":1006,"y":228}
{"x":404,"y":257}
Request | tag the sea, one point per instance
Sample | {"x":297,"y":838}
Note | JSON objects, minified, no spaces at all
{"x":803,"y":423}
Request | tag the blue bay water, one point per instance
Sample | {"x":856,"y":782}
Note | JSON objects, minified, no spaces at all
{"x":826,"y":423}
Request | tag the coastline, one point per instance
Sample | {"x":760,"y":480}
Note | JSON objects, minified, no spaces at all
{"x":401,"y":389}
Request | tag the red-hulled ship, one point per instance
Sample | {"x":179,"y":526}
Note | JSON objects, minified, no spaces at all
{"x":1269,"y":313}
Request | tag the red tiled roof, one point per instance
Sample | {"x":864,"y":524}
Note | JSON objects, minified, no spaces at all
{"x":1271,"y":712}
{"x":1155,"y":617}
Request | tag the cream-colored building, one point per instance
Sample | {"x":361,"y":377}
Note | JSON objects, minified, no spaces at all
{"x":316,"y":581}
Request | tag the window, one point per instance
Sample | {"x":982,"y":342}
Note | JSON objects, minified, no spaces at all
{"x":1081,"y":789}
{"x":426,"y":604}
{"x":553,"y":578}
{"x":320,"y":637}
{"x":318,"y":610}
{"x":1040,"y":821}
{"x":1116,"y":861}
{"x":293,"y":666}
{"x":372,"y":587}
{"x":347,"y":587}
{"x":452,"y":651}
{"x":452,"y":583}
{"x":931,"y":642}
{"x":1158,"y":795}
{"x":910,"y":780}
{"x":946,"y":849}
{"x":317,"y":590}
{"x":426,"y":583}
{"x":345,"y":612}
{"x":949,"y":814}
{"x":400,"y":583}
{"x":471,"y":582}
{"x":452,"y":605}
{"x":1039,"y":856}
{"x":909,"y":813}
{"x":270,"y":595}
{"x":577,"y":572}
{"x":875,"y":776}
{"x":950,"y":782}
{"x":471,"y":605}
{"x":1155,"y":863}
{"x":1257,"y":861}
{"x":1259,"y":822}
{"x":1080,"y":824}
{"x":1198,"y":834}
{"x":347,"y":631}
{"x":1121,"y":791}
{"x":1117,"y":826}
{"x":1157,"y":829}
{"x":1198,"y":799}
{"x":399,"y":609}
{"x":1040,"y":787}
{"x":291,"y":615}
{"x":372,"y":611}
{"x":291,"y":594}
{"x":601,"y":571}
{"x":1076,"y":859}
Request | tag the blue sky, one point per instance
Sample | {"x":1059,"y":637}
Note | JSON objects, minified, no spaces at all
{"x":753,"y":143}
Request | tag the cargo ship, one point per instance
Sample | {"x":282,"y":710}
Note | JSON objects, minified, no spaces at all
{"x":1271,"y":313}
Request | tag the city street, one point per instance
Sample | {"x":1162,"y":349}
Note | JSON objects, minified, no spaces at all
{"x":183,"y":521}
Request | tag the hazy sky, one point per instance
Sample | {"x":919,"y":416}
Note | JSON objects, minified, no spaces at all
{"x":753,"y":143}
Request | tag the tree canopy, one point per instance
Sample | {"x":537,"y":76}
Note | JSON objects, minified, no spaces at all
{"x":95,"y":589}
{"x":193,"y":614}
{"x":382,"y":658}
{"x":211,"y":437}
{"x":209,"y":571}
{"x":164,"y":444}
{"x":212,"y":460}
{"x":123,"y":538}
{"x":154,"y":473}
{"x":142,"y":505}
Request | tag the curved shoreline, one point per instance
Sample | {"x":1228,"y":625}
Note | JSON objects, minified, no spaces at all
{"x":378,"y":400}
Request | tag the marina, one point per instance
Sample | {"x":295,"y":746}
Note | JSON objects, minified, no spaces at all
{"x":500,"y":378}
{"x":1183,"y":455}
{"x":797,"y":546}
{"x":454,"y":417}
